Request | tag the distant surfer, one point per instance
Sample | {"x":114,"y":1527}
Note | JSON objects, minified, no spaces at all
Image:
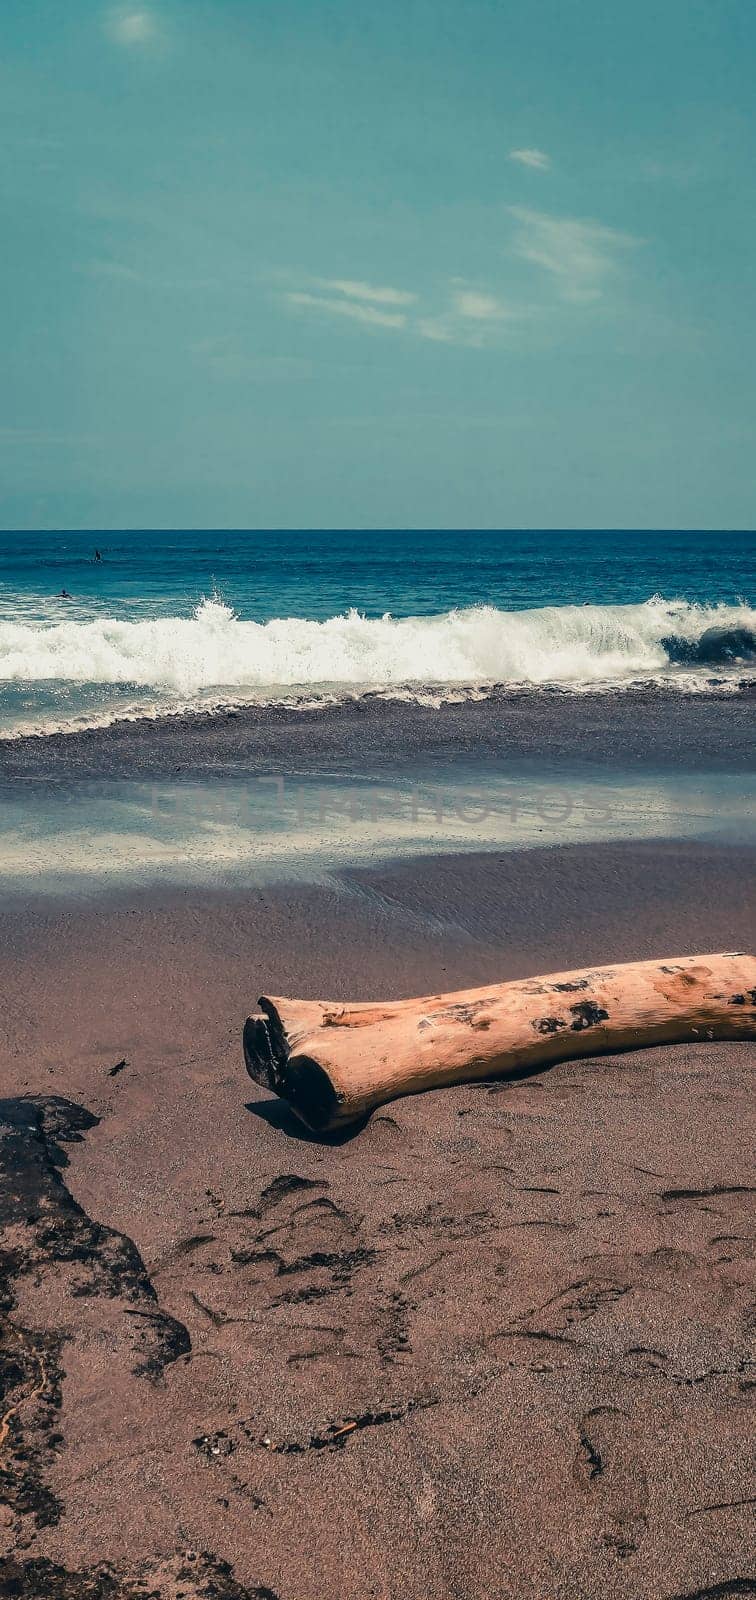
{"x":97,"y":556}
{"x":64,"y":595}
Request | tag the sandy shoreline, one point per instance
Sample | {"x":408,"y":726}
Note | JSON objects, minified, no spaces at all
{"x":665,"y":729}
{"x":525,"y":1305}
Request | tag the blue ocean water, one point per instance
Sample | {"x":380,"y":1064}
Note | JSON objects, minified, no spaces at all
{"x":168,"y":619}
{"x":318,"y":575}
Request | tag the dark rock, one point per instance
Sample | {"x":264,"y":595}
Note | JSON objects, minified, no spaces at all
{"x":50,"y":1229}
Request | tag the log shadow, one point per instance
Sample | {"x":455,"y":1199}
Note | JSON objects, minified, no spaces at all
{"x":277,"y":1114}
{"x":515,"y":1075}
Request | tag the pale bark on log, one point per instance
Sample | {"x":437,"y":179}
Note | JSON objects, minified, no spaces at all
{"x":334,"y":1063}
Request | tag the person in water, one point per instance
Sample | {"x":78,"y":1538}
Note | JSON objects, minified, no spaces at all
{"x":97,"y":556}
{"x":64,"y":595}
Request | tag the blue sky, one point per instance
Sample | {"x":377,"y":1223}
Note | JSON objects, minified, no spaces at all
{"x":291,"y":263}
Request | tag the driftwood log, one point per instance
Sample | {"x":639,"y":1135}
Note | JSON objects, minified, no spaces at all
{"x":334,"y":1063}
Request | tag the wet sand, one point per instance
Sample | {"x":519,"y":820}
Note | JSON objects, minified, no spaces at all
{"x":499,"y":1343}
{"x":371,"y":735}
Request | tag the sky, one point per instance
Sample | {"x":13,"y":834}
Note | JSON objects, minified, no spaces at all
{"x":418,"y":263}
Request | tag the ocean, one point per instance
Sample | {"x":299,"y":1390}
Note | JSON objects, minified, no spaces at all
{"x":229,"y":708}
{"x":168,"y":622}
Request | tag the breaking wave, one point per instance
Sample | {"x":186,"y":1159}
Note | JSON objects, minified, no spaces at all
{"x":216,"y":650}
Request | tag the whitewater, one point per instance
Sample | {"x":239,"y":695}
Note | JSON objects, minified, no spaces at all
{"x":215,"y":655}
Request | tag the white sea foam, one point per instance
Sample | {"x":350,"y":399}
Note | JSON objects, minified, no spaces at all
{"x":216,"y":654}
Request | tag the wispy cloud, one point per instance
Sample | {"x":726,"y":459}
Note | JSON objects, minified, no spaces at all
{"x":576,"y":260}
{"x":478,"y":306}
{"x":440,"y":330}
{"x":462,"y":314}
{"x":537,"y":159}
{"x":581,"y":256}
{"x":358,"y":310}
{"x":374,"y":305}
{"x":354,"y":290}
{"x":471,"y":316}
{"x":131,"y":25}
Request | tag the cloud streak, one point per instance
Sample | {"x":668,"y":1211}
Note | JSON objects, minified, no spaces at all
{"x":580,"y":257}
{"x":354,"y":290}
{"x":472,"y":317}
{"x":478,"y":306}
{"x":465,"y":315}
{"x":131,"y":25}
{"x":357,"y":310}
{"x":574,"y":262}
{"x":537,"y":159}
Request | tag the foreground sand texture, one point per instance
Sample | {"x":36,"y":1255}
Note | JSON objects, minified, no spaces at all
{"x":498,"y":1344}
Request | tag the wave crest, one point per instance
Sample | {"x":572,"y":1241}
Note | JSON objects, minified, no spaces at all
{"x":574,"y":646}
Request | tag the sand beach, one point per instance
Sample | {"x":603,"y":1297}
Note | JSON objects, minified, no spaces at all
{"x":496,"y":1342}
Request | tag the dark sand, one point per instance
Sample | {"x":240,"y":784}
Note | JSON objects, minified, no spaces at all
{"x":498,"y":1344}
{"x":660,"y":729}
